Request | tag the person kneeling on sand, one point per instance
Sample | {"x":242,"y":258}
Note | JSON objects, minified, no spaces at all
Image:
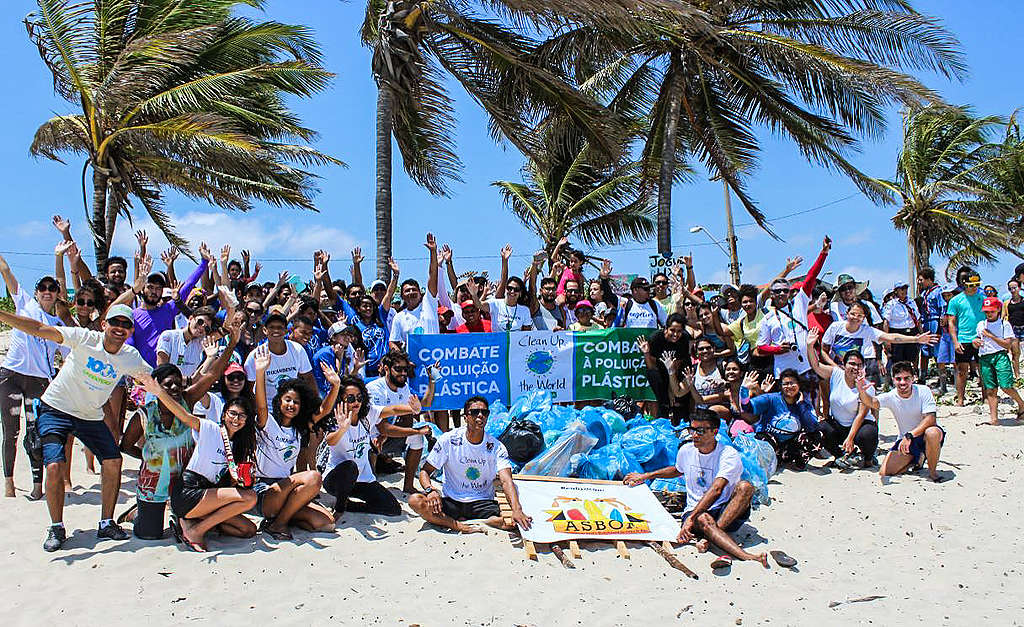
{"x":717,"y":500}
{"x":471,"y":459}
{"x":914,"y":409}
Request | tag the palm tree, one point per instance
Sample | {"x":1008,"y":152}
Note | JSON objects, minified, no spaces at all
{"x":955,"y":187}
{"x":576,"y":191}
{"x":415,"y":43}
{"x":819,"y":73}
{"x":186,"y":96}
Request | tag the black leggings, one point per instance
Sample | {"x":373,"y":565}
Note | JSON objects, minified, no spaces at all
{"x":834,"y":434}
{"x":16,"y":388}
{"x":342,"y":485}
{"x":903,"y":352}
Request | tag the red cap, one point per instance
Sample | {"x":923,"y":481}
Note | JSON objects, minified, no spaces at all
{"x":233,"y":367}
{"x":467,"y":303}
{"x":992,"y":304}
{"x":442,"y":310}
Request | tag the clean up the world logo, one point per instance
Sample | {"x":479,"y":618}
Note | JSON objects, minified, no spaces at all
{"x":540,"y":362}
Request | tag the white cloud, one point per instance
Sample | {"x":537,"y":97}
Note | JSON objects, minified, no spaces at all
{"x":856,"y":238}
{"x":276,"y":238}
{"x":882,"y":279}
{"x":36,"y":228}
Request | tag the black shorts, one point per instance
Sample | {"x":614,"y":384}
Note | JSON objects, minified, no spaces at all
{"x":473,"y":510}
{"x":716,"y":513}
{"x":969,"y":356}
{"x":187,"y":493}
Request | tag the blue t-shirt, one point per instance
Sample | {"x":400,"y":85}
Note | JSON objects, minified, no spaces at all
{"x":767,"y":407}
{"x":934,"y":304}
{"x":967,"y":310}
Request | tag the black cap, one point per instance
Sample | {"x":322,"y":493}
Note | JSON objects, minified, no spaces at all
{"x":276,"y":317}
{"x":639,"y":282}
{"x":157,"y":277}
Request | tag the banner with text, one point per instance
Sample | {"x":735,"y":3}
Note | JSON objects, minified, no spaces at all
{"x":504,"y":366}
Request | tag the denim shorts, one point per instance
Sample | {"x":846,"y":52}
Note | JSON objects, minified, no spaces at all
{"x":55,"y":426}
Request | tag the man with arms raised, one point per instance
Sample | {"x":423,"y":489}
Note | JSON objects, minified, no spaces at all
{"x":73,"y":405}
{"x":471,"y":460}
{"x":913,"y":406}
{"x":717,"y":500}
{"x":420,"y":313}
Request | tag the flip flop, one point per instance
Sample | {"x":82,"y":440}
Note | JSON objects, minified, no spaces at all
{"x":179,"y":536}
{"x":277,"y":535}
{"x":722,"y":561}
{"x":123,"y":518}
{"x":782,"y":559}
{"x":938,"y":479}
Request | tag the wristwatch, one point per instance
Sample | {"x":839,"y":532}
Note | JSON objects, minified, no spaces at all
{"x":428,"y":490}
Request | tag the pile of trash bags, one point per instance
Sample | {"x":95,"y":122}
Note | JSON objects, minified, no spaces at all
{"x":599,"y":443}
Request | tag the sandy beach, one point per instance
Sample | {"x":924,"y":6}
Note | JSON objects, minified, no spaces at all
{"x":932,"y":554}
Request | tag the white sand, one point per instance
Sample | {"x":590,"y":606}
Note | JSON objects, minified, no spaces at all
{"x":937,"y":554}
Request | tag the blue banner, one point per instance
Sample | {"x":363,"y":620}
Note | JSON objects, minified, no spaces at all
{"x":471,"y":364}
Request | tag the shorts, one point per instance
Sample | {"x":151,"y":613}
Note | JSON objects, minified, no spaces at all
{"x":1018,"y":332}
{"x":931,"y":326}
{"x":917,"y":447}
{"x":187,"y":493}
{"x":969,"y":356}
{"x":54,"y":427}
{"x":996,"y":371}
{"x":716,"y":513}
{"x":944,"y":352}
{"x":262,"y":485}
{"x":473,"y":510}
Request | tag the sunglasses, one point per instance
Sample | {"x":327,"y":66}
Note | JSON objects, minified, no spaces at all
{"x":400,"y":369}
{"x":661,"y":282}
{"x":84,"y":302}
{"x":476,"y":411}
{"x":512,"y":288}
{"x":48,"y":287}
{"x":700,"y":430}
{"x":236,"y":377}
{"x":354,"y":398}
{"x":784,"y":290}
{"x":572,"y":291}
{"x":121,"y":323}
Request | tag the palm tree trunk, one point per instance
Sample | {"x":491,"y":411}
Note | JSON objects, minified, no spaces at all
{"x":666,"y":176}
{"x":383,"y":200}
{"x":101,"y":243}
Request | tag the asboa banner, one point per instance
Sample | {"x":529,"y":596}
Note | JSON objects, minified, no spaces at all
{"x":503,"y":366}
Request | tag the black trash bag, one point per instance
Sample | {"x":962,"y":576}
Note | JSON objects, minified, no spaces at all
{"x":523,"y":439}
{"x":625,"y":406}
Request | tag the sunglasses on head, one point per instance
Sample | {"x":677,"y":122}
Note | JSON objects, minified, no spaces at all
{"x":121,"y":323}
{"x":235,"y":377}
{"x":85,"y":302}
{"x":478,"y":411}
{"x":48,"y":287}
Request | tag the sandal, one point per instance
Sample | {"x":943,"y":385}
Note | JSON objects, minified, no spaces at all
{"x":129,"y":514}
{"x":277,"y":535}
{"x":722,"y":561}
{"x":179,"y":536}
{"x":782,"y":559}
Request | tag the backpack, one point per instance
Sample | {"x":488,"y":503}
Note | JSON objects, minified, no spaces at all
{"x":523,"y":440}
{"x":629,"y":306}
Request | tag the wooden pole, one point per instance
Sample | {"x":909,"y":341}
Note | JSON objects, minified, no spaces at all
{"x":672,"y":559}
{"x":562,"y":557}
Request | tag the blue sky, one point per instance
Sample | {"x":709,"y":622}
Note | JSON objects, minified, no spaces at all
{"x":474,"y":221}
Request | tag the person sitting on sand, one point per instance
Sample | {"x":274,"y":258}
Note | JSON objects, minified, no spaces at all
{"x":770,"y":412}
{"x":717,"y":500}
{"x":471,"y":459}
{"x":913,"y":406}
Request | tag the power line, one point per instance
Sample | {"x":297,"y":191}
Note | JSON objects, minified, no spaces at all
{"x":800,"y":213}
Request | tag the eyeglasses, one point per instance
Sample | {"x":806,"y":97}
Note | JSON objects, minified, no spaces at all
{"x":121,"y":323}
{"x":477,"y":411}
{"x":400,"y":369}
{"x":700,"y":430}
{"x":234,"y":413}
{"x":236,"y":377}
{"x":572,"y":291}
{"x":48,"y":287}
{"x":84,"y":302}
{"x":354,"y":398}
{"x":203,"y":323}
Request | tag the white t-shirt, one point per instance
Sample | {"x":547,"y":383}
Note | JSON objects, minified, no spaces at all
{"x":187,"y":356}
{"x":28,"y":354}
{"x":213,"y":410}
{"x":382,"y":396}
{"x":1001,"y":329}
{"x":701,"y":470}
{"x":787,"y":326}
{"x":294,"y":362}
{"x":710,"y":384}
{"x":469,"y":469}
{"x":508,"y":318}
{"x":838,"y":310}
{"x":422,"y":319}
{"x":90,"y":373}
{"x":898,"y":314}
{"x":355,"y":445}
{"x":208,"y":458}
{"x":844,"y":401}
{"x":842,"y":341}
{"x":276,"y":450}
{"x":641,"y":315}
{"x":908,"y":411}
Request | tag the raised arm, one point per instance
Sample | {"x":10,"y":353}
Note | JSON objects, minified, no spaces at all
{"x":357,"y":265}
{"x":142,"y":268}
{"x":327,"y":405}
{"x":169,"y":256}
{"x":58,"y":270}
{"x":212,"y":373}
{"x":822,"y":370}
{"x":812,"y":274}
{"x":80,"y":272}
{"x":389,"y":295}
{"x":506,"y":252}
{"x":431,"y":245}
{"x":442,"y":290}
{"x":165,"y":399}
{"x":791,"y":264}
{"x":272,"y":294}
{"x":197,"y":274}
{"x":261,"y":362}
{"x":5,"y":272}
{"x":691,"y":280}
{"x":869,"y":401}
{"x":31,"y":327}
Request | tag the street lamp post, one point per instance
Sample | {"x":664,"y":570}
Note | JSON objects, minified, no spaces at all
{"x":734,"y":262}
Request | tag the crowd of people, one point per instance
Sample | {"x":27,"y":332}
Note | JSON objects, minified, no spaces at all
{"x":244,"y":399}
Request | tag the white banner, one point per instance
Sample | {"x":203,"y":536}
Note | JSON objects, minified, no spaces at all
{"x":541,"y":360}
{"x":598,"y":510}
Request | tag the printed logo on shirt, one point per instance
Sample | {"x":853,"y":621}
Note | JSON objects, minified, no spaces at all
{"x":844,"y":344}
{"x":100,"y":371}
{"x":472,"y":473}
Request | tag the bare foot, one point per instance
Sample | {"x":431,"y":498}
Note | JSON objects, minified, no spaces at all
{"x":9,"y":487}
{"x":36,"y":493}
{"x":761,"y":557}
{"x":187,"y":529}
{"x":701,"y":546}
{"x":464,"y":528}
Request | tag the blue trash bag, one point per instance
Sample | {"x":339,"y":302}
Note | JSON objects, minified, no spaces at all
{"x":555,"y":419}
{"x":662,"y":457}
{"x":550,"y":437}
{"x":614,"y":420}
{"x":642,"y":442}
{"x":597,"y":425}
{"x":537,"y":400}
{"x":497,"y":423}
{"x":557,"y":460}
{"x":608,"y":463}
{"x":668,"y":485}
{"x":497,"y":407}
{"x":632,"y":423}
{"x":784,"y":427}
{"x":759,"y":464}
{"x":565,"y":414}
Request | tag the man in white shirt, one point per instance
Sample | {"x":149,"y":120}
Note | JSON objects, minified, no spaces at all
{"x":848,"y":292}
{"x":419,"y":316}
{"x":288,"y":360}
{"x":913,"y":406}
{"x":184,"y":347}
{"x":782,"y":333}
{"x":717,"y":499}
{"x":471,"y":460}
{"x":73,"y":405}
{"x":639,"y":310}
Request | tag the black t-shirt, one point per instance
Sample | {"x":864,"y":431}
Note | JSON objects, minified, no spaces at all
{"x":659,"y":346}
{"x":1015,"y":313}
